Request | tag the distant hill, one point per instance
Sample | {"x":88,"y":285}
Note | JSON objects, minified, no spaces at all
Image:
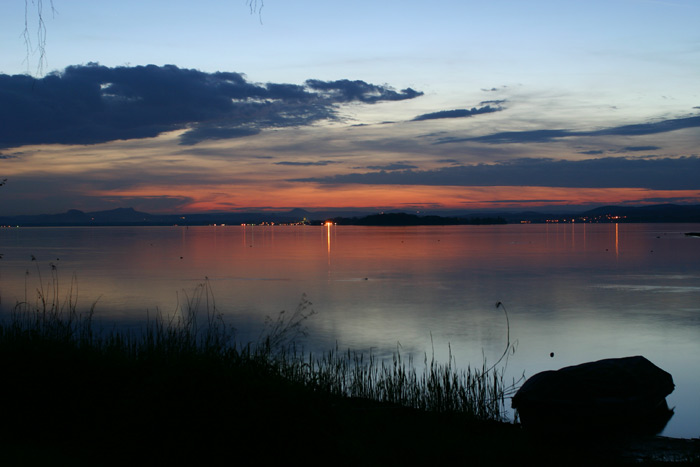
{"x":129,"y":216}
{"x":120,"y":216}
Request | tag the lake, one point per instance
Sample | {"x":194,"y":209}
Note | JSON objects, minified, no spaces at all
{"x":580,"y":291}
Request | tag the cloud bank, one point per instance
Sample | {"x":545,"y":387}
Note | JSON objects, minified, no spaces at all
{"x":89,"y":104}
{"x":608,"y":172}
{"x":545,"y":136}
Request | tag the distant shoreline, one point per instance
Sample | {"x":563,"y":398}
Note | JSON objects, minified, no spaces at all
{"x":661,"y":213}
{"x":403,"y":219}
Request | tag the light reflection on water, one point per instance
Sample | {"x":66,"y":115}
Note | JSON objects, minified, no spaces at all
{"x":584,"y":291}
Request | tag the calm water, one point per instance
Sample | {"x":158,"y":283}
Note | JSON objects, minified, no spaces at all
{"x":584,"y":292}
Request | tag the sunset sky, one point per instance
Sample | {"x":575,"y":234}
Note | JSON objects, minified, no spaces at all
{"x":183,"y":106}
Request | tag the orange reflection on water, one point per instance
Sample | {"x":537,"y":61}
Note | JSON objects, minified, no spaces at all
{"x":328,"y":240}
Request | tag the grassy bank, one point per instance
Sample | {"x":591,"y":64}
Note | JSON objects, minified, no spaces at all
{"x":184,"y":387}
{"x":182,"y":390}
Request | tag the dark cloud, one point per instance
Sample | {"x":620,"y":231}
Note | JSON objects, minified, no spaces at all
{"x":649,"y":128}
{"x":493,"y":102}
{"x":205,"y":132}
{"x":396,"y":166}
{"x":674,"y":200}
{"x":435,"y":134}
{"x":543,"y":136}
{"x":641,"y":148}
{"x":609,"y":172}
{"x":87,"y":104}
{"x":505,"y":137}
{"x":306,"y":163}
{"x":594,"y":152}
{"x":7,"y":156}
{"x":347,"y":91}
{"x":457,"y":113}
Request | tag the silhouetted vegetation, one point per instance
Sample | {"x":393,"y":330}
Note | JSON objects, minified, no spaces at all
{"x":183,"y":388}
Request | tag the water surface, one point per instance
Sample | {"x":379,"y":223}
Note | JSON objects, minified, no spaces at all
{"x":581,"y":291}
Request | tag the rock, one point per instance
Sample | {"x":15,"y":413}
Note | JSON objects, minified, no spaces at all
{"x":626,"y":395}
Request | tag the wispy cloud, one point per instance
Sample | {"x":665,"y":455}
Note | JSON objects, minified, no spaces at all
{"x":526,"y":202}
{"x":348,"y":91}
{"x":395,"y":166}
{"x":506,"y":137}
{"x":494,"y":89}
{"x":306,"y":164}
{"x":457,"y":113}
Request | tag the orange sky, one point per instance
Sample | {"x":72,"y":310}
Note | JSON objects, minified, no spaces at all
{"x":227,"y":198}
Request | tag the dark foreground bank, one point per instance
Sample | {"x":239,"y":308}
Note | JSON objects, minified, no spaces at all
{"x":174,"y":395}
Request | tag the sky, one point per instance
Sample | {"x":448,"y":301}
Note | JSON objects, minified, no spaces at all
{"x":182,"y":106}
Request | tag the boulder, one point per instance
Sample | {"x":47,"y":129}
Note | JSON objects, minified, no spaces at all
{"x":617,"y":394}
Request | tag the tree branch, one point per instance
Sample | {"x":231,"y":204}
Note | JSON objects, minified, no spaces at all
{"x":40,"y":32}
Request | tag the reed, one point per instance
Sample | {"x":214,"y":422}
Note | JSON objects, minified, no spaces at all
{"x":436,"y":387}
{"x":197,"y":331}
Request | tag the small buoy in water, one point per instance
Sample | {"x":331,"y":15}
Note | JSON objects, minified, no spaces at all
{"x":365,"y":278}
{"x":551,"y":354}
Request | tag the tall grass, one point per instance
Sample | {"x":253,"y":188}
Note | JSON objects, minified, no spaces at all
{"x":438,"y":387}
{"x":198,"y":332}
{"x":47,"y":316}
